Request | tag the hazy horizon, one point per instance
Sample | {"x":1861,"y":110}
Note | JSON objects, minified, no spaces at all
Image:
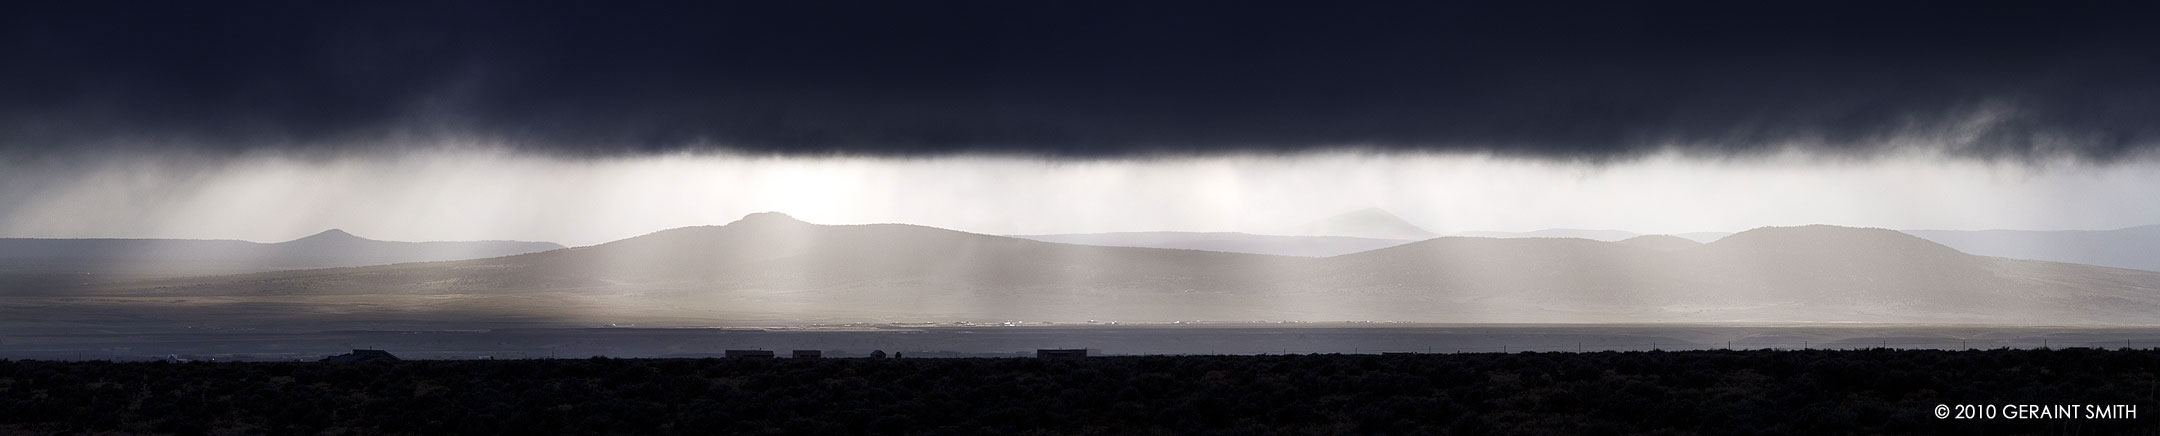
{"x":501,"y":194}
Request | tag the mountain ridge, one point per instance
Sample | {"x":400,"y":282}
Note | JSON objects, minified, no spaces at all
{"x":327,"y":249}
{"x":789,"y":269}
{"x":1371,"y":222}
{"x":1230,"y":242}
{"x":2135,"y":247}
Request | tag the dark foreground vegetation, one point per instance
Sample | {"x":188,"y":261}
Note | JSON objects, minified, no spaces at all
{"x":1694,"y":392}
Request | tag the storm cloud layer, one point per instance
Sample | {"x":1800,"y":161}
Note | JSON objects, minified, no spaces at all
{"x":1566,"y":80}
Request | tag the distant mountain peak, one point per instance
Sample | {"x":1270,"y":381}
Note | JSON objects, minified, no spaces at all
{"x":1854,"y":240}
{"x":767,"y":218}
{"x":1810,"y":229}
{"x":1591,"y":234}
{"x":332,"y":235}
{"x":1369,"y":213}
{"x":1371,"y":222}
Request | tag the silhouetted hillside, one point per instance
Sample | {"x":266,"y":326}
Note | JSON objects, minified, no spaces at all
{"x":1661,"y":242}
{"x":769,"y":263}
{"x":1492,"y":279}
{"x":771,"y":249}
{"x":769,"y":266}
{"x":1302,"y":246}
{"x":2135,"y":247}
{"x":1703,"y":237}
{"x":1375,"y":223}
{"x":329,"y":249}
{"x":1598,"y":235}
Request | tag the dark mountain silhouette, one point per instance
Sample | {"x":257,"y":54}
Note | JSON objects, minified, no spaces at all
{"x":1375,"y":223}
{"x":331,"y":248}
{"x":2134,"y":247}
{"x":1302,"y":246}
{"x":774,"y":268}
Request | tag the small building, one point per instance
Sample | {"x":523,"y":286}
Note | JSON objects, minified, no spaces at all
{"x":362,"y":356}
{"x":809,"y":354}
{"x":749,"y":354}
{"x":1061,"y":353}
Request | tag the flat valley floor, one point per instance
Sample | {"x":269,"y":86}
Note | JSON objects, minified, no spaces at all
{"x":1720,"y":392}
{"x":465,"y":342}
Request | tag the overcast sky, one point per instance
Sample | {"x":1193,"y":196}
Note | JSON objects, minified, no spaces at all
{"x":584,"y":122}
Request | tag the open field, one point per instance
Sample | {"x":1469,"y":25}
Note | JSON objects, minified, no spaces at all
{"x":473,"y":341}
{"x":1692,"y":392}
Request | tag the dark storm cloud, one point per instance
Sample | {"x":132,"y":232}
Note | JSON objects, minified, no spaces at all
{"x":1588,"y":80}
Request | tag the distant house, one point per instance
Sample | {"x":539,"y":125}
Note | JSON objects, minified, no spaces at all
{"x":749,"y":354}
{"x":809,"y":354}
{"x":1061,"y":353}
{"x":362,"y":356}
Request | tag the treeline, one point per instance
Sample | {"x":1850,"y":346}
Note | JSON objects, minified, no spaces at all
{"x":1693,"y":392}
